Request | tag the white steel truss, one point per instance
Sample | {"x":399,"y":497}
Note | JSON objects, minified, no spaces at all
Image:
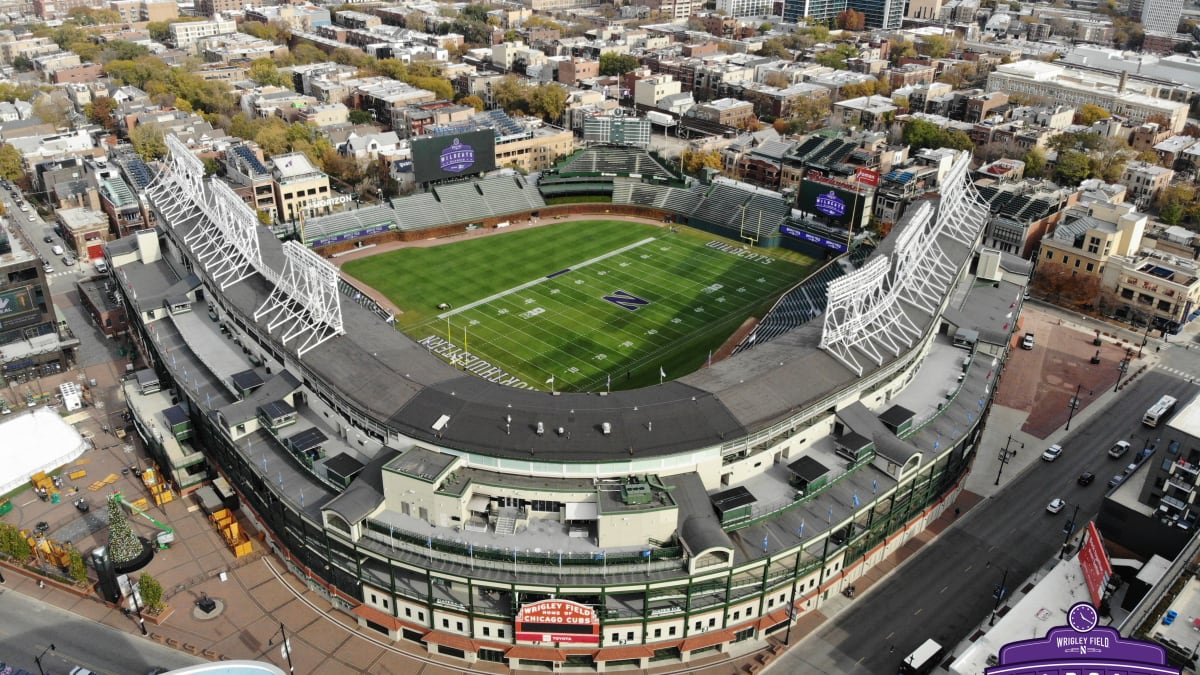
{"x":305,"y":302}
{"x":923,"y":270}
{"x":863,"y":317}
{"x":178,"y":189}
{"x":225,"y":242}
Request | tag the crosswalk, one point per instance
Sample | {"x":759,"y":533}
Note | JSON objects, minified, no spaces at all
{"x":1190,"y":377}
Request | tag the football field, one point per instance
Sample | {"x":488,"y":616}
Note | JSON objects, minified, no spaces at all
{"x":580,"y":302}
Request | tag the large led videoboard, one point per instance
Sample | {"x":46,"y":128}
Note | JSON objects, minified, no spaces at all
{"x":454,"y":155}
{"x":834,"y":202}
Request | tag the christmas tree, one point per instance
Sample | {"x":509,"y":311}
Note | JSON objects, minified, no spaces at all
{"x":123,"y":544}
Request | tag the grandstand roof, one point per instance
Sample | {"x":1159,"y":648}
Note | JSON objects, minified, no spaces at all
{"x":394,"y":379}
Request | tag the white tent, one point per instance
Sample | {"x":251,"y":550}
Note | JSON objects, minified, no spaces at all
{"x":35,"y":441}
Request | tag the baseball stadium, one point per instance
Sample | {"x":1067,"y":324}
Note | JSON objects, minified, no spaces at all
{"x":603,"y":418}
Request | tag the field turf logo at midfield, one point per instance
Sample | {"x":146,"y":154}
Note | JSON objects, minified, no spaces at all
{"x":626,"y":300}
{"x":457,"y":157}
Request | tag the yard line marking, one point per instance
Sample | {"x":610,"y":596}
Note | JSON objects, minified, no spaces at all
{"x":542,"y":279}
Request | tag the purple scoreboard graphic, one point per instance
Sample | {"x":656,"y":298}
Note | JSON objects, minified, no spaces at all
{"x":1082,"y":647}
{"x":453,"y":155}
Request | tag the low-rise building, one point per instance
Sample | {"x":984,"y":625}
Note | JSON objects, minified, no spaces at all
{"x":84,"y":231}
{"x":1145,"y":181}
{"x":728,"y":111}
{"x":865,"y":112}
{"x":1075,"y":258}
{"x":184,"y":35}
{"x":301,"y":189}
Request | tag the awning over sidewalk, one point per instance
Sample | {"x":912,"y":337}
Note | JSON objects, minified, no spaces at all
{"x":386,"y":620}
{"x":582,"y":511}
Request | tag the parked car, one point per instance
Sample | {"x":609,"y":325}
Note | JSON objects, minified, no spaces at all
{"x":1027,"y":342}
{"x":82,"y":505}
{"x":1116,"y":480}
{"x":1118,"y":449}
{"x":47,"y":267}
{"x":1086,"y":478}
{"x":1052,"y":453}
{"x":1056,"y":505}
{"x":48,"y":239}
{"x":68,"y":260}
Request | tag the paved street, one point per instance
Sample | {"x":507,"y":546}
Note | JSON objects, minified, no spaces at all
{"x":28,"y":626}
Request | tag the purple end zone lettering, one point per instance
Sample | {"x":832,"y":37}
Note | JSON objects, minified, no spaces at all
{"x":626,"y":300}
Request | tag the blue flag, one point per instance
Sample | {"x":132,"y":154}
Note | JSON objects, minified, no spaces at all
{"x":874,"y":486}
{"x":646,"y":553}
{"x":428,"y":541}
{"x":765,"y":542}
{"x":600,"y":555}
{"x":800,"y":530}
{"x":856,"y":502}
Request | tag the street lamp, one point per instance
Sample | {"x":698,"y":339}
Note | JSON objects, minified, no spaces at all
{"x":1006,"y":455}
{"x":286,"y":646}
{"x":133,"y":591}
{"x":999,"y":592}
{"x":1145,"y":338}
{"x":1068,"y":530}
{"x":1122,"y":367}
{"x":38,"y":659}
{"x":1074,"y":405}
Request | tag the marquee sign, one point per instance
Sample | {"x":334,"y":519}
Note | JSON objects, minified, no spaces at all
{"x":558,"y":621}
{"x":831,"y":205}
{"x":1083,"y":646}
{"x":457,"y":158}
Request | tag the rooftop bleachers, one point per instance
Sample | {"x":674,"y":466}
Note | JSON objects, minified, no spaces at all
{"x":138,"y":172}
{"x":987,"y":192}
{"x":808,"y":146}
{"x":255,"y":167}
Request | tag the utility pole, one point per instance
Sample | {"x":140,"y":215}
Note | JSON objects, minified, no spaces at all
{"x":286,"y":646}
{"x":1006,"y":455}
{"x":1074,"y":405}
{"x":1068,"y":530}
{"x":999,"y":592}
{"x":1123,"y":367}
{"x":133,"y":591}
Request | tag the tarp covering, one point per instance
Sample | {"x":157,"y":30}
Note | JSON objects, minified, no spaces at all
{"x":35,"y":441}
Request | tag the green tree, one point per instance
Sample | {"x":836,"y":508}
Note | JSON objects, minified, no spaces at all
{"x":211,"y":166}
{"x":76,"y":566}
{"x":52,"y":110}
{"x":548,"y":101}
{"x":936,"y":46}
{"x":22,"y":63}
{"x":612,"y":63}
{"x":265,"y":72}
{"x":774,"y":47}
{"x":13,"y":544}
{"x":1071,"y":168}
{"x":361,"y":117}
{"x":1035,"y":162}
{"x":151,"y":592}
{"x":122,"y":49}
{"x":11,"y":167}
{"x":264,"y":218}
{"x":836,"y":57}
{"x":148,"y":141}
{"x":511,"y":94}
{"x":473,"y":101}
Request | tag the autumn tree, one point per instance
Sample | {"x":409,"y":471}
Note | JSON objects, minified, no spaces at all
{"x":695,"y":161}
{"x":1035,"y":162}
{"x":511,"y":94}
{"x":851,"y":20}
{"x":935,"y":46}
{"x":473,"y":101}
{"x":11,"y":167}
{"x":547,"y":101}
{"x":100,"y":111}
{"x":148,"y":141}
{"x":1088,"y":114}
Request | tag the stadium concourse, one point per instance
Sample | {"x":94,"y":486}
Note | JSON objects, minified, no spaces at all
{"x":644,"y":528}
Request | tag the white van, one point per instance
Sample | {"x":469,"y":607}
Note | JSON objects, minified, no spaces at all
{"x":57,"y":250}
{"x":101,"y":266}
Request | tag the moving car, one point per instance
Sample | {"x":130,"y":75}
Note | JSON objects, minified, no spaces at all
{"x":1027,"y":342}
{"x":1118,"y":449}
{"x":1056,"y":505}
{"x":68,"y":260}
{"x":1086,"y":478}
{"x":1052,"y":453}
{"x":47,"y":267}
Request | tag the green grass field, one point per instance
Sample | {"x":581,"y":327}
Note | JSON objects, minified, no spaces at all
{"x":533,"y":302}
